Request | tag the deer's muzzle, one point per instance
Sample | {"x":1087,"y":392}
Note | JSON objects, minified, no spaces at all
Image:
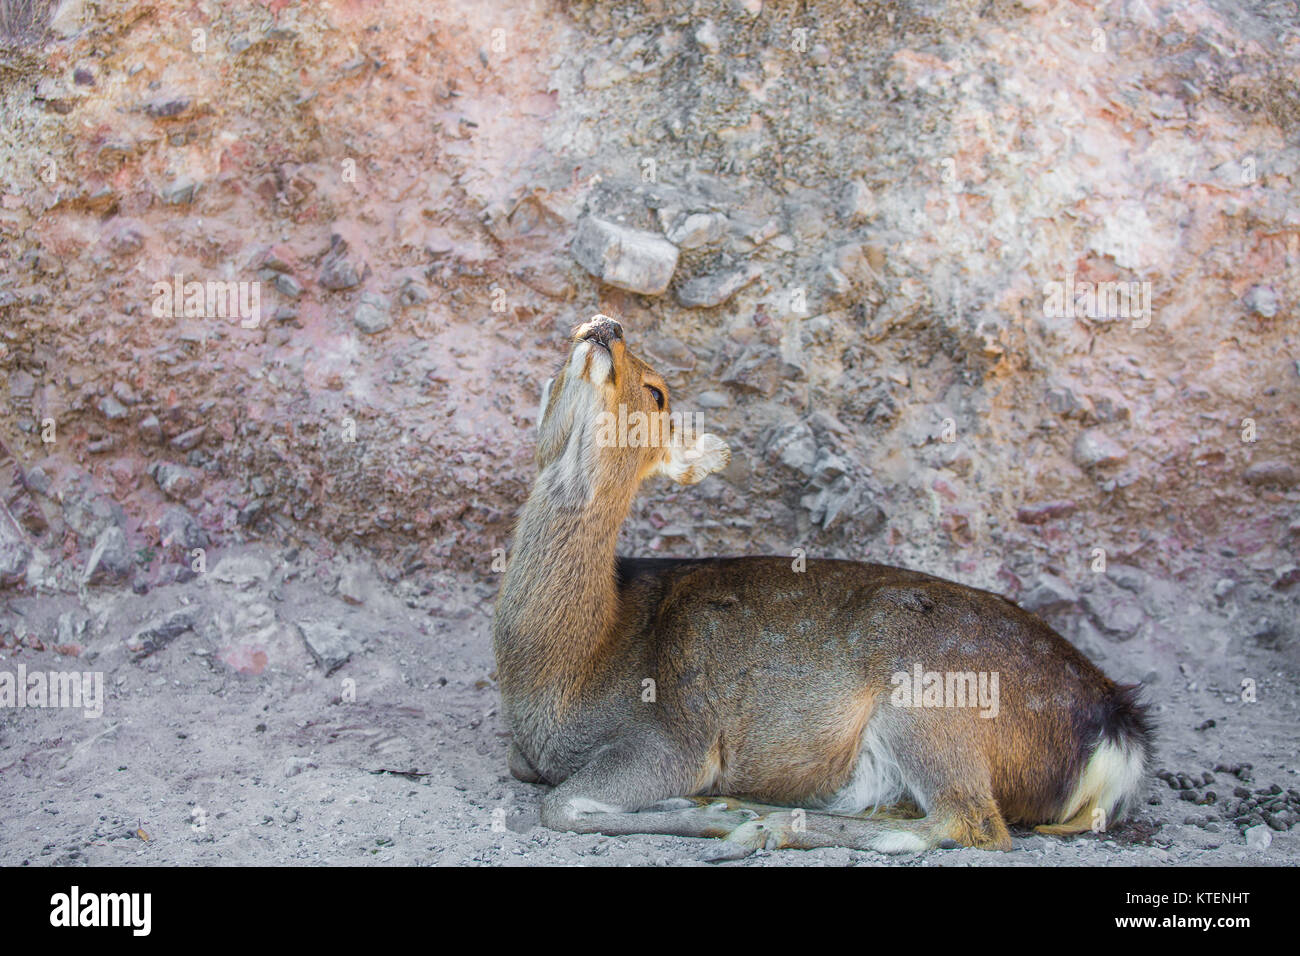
{"x":600,"y":329}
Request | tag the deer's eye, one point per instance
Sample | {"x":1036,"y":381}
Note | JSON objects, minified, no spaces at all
{"x":658,"y":396}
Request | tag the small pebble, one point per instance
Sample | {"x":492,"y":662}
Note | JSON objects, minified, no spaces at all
{"x":1258,"y":838}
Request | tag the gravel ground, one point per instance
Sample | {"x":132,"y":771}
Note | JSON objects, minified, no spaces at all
{"x":224,"y":741}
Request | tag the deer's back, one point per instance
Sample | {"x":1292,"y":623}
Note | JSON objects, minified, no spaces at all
{"x":765,"y":661}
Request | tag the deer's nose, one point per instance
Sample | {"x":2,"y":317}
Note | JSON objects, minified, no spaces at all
{"x":600,"y":329}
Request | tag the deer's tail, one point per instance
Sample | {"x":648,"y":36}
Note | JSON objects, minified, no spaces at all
{"x":1112,"y":779}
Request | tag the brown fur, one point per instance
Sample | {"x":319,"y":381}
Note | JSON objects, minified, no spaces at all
{"x":764,"y":679}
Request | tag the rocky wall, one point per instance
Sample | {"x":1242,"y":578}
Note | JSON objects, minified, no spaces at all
{"x":1005,"y":291}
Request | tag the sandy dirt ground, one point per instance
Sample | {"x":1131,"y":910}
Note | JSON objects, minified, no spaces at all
{"x":224,"y":741}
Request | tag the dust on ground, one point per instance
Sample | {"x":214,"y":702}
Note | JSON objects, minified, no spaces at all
{"x":285,"y":707}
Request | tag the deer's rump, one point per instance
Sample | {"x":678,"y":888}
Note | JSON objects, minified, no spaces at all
{"x":834,"y":685}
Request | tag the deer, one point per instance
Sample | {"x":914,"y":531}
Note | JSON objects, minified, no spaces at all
{"x":740,"y":699}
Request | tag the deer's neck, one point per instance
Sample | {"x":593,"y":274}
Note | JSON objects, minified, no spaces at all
{"x":559,"y":599}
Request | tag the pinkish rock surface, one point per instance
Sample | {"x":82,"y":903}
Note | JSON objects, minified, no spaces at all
{"x":909,"y":193}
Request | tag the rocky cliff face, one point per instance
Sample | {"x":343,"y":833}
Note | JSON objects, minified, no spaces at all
{"x":1003,"y":291}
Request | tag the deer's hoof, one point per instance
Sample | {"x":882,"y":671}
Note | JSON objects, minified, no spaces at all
{"x":757,"y":834}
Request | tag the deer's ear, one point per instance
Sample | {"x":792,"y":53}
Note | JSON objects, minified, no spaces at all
{"x":690,"y":464}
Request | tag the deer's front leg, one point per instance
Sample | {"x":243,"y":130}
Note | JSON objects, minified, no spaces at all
{"x":520,"y":768}
{"x":636,"y":786}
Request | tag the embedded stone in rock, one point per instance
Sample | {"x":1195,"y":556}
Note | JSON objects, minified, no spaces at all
{"x":125,"y":240}
{"x":956,"y":458}
{"x":110,"y":558}
{"x":111,"y":408}
{"x":758,"y":369}
{"x":337,"y":271}
{"x":623,"y":257}
{"x":1130,"y":578}
{"x":269,"y":258}
{"x":713,"y":290}
{"x":189,"y":439}
{"x":860,"y":263}
{"x":857,"y":202}
{"x":89,"y":517}
{"x":151,"y":428}
{"x":550,"y":279}
{"x":68,"y":18}
{"x":698,"y":229}
{"x":795,"y":446}
{"x":175,"y":481}
{"x":178,"y":527}
{"x":829,"y":467}
{"x":180,"y":193}
{"x":36,"y":479}
{"x":14,"y":557}
{"x":1042,"y":513}
{"x":160,"y":632}
{"x":1048,"y":593}
{"x":1062,"y":402}
{"x":287,"y":285}
{"x":706,"y":35}
{"x":671,"y":357}
{"x":55,"y":96}
{"x":330,"y":645}
{"x":757,"y":232}
{"x":1271,"y":473}
{"x":826,"y":504}
{"x":125,"y":394}
{"x":1262,"y":301}
{"x":373,"y":313}
{"x":1119,"y":616}
{"x":250,"y":512}
{"x":412,"y":293}
{"x":241,"y":570}
{"x":71,"y":626}
{"x":1095,"y":448}
{"x":167,"y":107}
{"x":836,"y":283}
{"x":16,"y":496}
{"x":21,"y":385}
{"x":1286,"y":576}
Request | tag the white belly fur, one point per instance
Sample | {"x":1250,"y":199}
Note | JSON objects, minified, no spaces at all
{"x":877,"y":780}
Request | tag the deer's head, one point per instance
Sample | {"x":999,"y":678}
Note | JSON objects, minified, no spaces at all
{"x":606,"y":423}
